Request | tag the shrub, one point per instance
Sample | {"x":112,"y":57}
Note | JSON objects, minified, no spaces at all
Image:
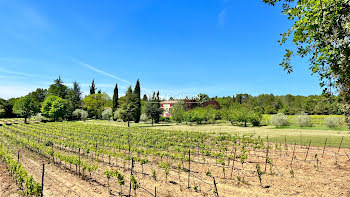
{"x":38,"y":117}
{"x":255,"y":118}
{"x":332,"y":122}
{"x":107,"y":114}
{"x":143,"y":117}
{"x":115,"y":115}
{"x":279,"y":120}
{"x":80,"y":114}
{"x":303,"y":120}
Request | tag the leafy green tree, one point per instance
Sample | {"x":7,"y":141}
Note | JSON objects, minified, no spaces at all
{"x":137,"y":95}
{"x":74,"y":99}
{"x":39,"y":95}
{"x":128,"y":107}
{"x":152,"y":108}
{"x":58,"y":109}
{"x":58,"y":88}
{"x":320,"y":31}
{"x":92,"y":87}
{"x":54,"y":107}
{"x":3,"y":105}
{"x":115,"y":99}
{"x":6,"y":108}
{"x":25,"y":107}
{"x":96,"y":103}
{"x":177,"y":112}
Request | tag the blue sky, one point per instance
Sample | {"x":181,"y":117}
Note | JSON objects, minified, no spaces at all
{"x":218,"y":47}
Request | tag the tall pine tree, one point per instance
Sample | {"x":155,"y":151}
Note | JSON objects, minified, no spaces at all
{"x":137,"y":95}
{"x":58,"y":88}
{"x":115,"y":99}
{"x":92,"y":87}
{"x":74,"y":99}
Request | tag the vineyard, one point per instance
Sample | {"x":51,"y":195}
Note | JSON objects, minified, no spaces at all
{"x":79,"y":159}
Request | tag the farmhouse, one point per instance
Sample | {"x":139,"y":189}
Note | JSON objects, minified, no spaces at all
{"x":166,"y":106}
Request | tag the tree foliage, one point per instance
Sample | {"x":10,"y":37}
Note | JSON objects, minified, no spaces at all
{"x":54,"y":107}
{"x":96,"y":103}
{"x":25,"y":107}
{"x":152,"y":108}
{"x":115,"y":98}
{"x":137,"y":97}
{"x":74,"y":99}
{"x":128,"y":107}
{"x":92,"y":88}
{"x":58,"y":88}
{"x":320,"y":32}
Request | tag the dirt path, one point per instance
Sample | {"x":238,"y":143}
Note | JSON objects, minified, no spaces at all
{"x":59,"y":182}
{"x":7,"y":186}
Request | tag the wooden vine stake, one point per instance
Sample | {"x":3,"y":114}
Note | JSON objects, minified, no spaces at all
{"x":42,"y":181}
{"x":155,"y":191}
{"x":215,"y":188}
{"x":324,"y":147}
{"x":233,"y":162}
{"x":307,"y":152}
{"x":341,"y":142}
{"x":79,"y":161}
{"x":131,"y":173}
{"x":267,"y":155}
{"x":291,"y":162}
{"x":189,"y":168}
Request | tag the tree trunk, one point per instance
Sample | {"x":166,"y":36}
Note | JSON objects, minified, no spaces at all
{"x":152,"y":121}
{"x":128,"y":123}
{"x":25,"y":120}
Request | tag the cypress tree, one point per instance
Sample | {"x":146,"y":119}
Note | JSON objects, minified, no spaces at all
{"x":115,"y":99}
{"x":92,"y":87}
{"x":137,"y":96}
{"x":157,"y":118}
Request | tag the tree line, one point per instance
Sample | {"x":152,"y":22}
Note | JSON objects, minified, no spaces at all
{"x":61,"y":102}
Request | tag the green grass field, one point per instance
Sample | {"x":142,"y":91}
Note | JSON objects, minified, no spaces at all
{"x":316,"y":120}
{"x":297,"y":135}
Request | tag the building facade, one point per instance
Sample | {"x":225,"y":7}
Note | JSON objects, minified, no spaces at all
{"x":166,"y":107}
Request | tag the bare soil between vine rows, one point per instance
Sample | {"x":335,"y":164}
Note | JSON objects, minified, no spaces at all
{"x":331,"y":178}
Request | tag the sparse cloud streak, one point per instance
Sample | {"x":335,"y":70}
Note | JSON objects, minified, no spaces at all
{"x":3,"y":70}
{"x":101,"y":71}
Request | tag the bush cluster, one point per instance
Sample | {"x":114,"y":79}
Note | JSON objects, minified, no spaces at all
{"x":279,"y":120}
{"x":303,"y":120}
{"x":332,"y":122}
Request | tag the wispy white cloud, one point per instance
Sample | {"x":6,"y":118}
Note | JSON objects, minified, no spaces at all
{"x":101,"y":71}
{"x":3,"y":70}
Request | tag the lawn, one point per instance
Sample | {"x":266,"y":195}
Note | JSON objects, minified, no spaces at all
{"x":292,"y":135}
